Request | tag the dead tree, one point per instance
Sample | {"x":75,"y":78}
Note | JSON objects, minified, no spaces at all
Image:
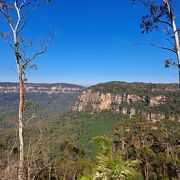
{"x":37,"y":156}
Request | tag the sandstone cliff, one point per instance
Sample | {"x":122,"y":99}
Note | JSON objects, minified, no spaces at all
{"x":124,"y":103}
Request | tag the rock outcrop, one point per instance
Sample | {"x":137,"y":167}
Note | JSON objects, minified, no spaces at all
{"x":126,"y":104}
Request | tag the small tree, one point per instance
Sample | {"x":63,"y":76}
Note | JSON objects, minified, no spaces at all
{"x":15,"y":13}
{"x":161,"y":17}
{"x":110,"y":163}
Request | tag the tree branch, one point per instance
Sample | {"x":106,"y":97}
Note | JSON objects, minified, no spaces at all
{"x":157,"y":46}
{"x":7,"y":17}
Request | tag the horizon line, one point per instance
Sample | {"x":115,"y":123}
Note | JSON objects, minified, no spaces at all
{"x":93,"y":84}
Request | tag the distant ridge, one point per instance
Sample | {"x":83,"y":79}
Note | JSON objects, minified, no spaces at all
{"x":42,"y":84}
{"x":10,"y":87}
{"x":134,"y":87}
{"x":49,"y":99}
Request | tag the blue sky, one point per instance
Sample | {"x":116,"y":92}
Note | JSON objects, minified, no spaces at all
{"x":94,"y":42}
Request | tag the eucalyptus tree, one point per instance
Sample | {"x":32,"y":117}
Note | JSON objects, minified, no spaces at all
{"x":161,"y":17}
{"x":16,"y":14}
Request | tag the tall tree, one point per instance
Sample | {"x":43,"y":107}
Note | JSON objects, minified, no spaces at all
{"x":15,"y":13}
{"x":161,"y":17}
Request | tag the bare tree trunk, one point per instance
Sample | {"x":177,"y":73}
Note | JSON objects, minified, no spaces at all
{"x":50,"y":172}
{"x":74,"y":176}
{"x":176,"y":34}
{"x":179,"y":74}
{"x":29,"y":172}
{"x":17,"y":23}
{"x":21,"y":140}
{"x":8,"y":161}
{"x":123,"y":144}
{"x":56,"y":173}
{"x":147,"y":171}
{"x":177,"y":45}
{"x":21,"y":105}
{"x":64,"y":177}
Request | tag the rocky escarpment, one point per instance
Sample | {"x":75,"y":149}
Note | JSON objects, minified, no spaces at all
{"x":131,"y":104}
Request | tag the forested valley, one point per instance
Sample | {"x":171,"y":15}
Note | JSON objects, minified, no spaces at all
{"x":118,"y":118}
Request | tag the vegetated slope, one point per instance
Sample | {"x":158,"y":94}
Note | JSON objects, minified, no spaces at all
{"x":79,"y":127}
{"x":131,"y":139}
{"x":151,"y":101}
{"x":75,"y":127}
{"x":138,"y":88}
{"x":73,"y":141}
{"x":67,"y":138}
{"x":47,"y":99}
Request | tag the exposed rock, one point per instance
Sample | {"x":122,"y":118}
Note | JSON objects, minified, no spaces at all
{"x":133,"y":98}
{"x":132,"y":112}
{"x":122,"y":103}
{"x":155,"y":101}
{"x":98,"y":101}
{"x":124,"y":110}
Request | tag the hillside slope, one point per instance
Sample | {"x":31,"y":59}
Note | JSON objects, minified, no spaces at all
{"x":47,"y":99}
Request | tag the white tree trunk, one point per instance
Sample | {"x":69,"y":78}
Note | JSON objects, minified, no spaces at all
{"x":176,"y":33}
{"x":21,"y":140}
{"x":21,"y":106}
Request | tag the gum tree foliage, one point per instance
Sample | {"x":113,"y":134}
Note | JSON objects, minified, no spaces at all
{"x":154,"y":143}
{"x":110,"y":163}
{"x":16,"y":14}
{"x":161,"y":17}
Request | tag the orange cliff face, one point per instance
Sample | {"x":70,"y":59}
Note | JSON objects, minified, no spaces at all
{"x":122,"y":103}
{"x":101,"y":101}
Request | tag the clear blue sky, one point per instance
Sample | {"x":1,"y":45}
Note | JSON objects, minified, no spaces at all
{"x":95,"y":42}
